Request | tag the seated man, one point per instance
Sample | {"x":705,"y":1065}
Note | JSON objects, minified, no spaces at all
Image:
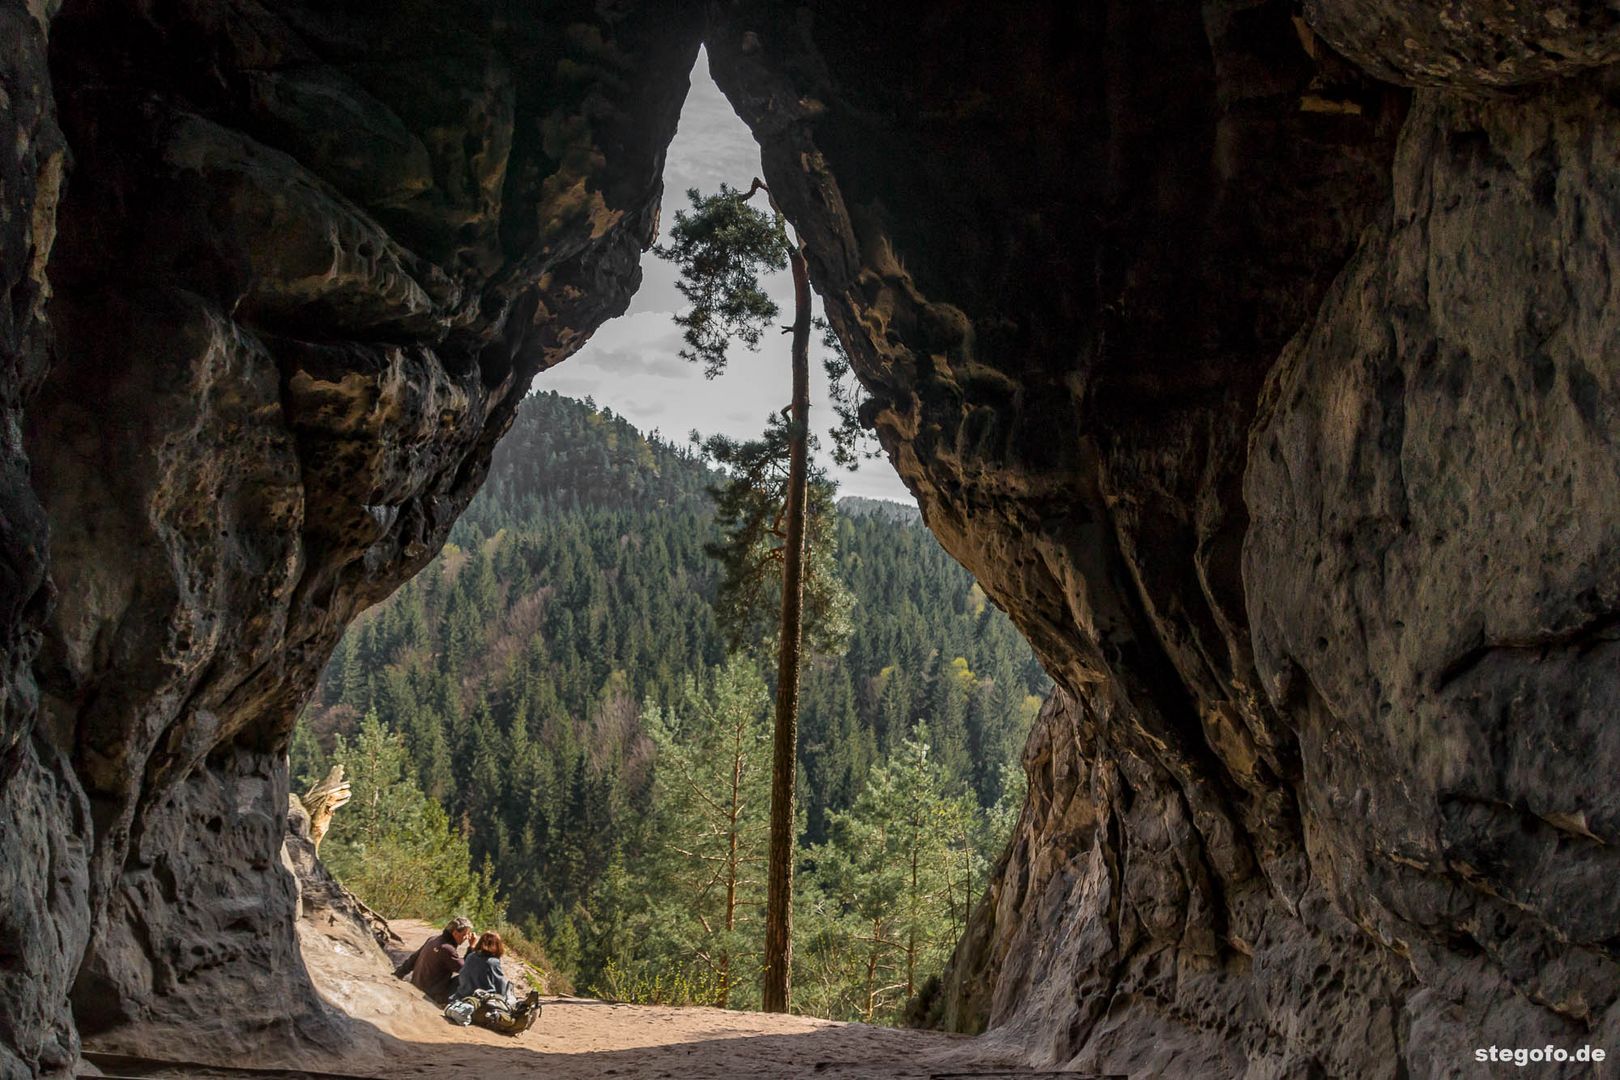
{"x":434,"y":967}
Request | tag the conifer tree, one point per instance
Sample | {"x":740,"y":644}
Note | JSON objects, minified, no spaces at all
{"x":895,"y":868}
{"x":748,"y":511}
{"x":393,"y":845}
{"x":305,"y":762}
{"x":576,"y":526}
{"x":722,"y":246}
{"x":713,"y":784}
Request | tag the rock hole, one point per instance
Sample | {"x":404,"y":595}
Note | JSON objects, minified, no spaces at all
{"x":1543,"y":373}
{"x":1583,"y":392}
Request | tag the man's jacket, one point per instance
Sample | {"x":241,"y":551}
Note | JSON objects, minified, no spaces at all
{"x":433,"y":968}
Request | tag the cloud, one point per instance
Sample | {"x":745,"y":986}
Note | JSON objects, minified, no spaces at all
{"x":643,"y":344}
{"x":565,"y":382}
{"x":649,"y":409}
{"x":652,"y":362}
{"x":638,"y":327}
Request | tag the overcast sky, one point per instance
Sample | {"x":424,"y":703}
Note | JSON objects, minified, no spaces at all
{"x":631,"y":364}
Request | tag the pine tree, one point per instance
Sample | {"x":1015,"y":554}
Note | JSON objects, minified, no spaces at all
{"x":892,"y":875}
{"x":358,"y":662}
{"x":751,"y":552}
{"x":572,"y":519}
{"x":714,"y":787}
{"x":392,"y":844}
{"x":722,"y":246}
{"x":306,"y":764}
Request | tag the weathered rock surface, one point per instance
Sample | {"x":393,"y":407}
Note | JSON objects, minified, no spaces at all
{"x":1326,"y":787}
{"x":1431,"y":572}
{"x":1275,"y":401}
{"x":325,"y":905}
{"x":1474,"y":44}
{"x":44,"y":910}
{"x":306,"y":263}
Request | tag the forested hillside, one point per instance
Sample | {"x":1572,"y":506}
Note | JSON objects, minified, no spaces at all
{"x":551,"y":704}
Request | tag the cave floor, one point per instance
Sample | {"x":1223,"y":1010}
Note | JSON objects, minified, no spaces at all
{"x":374,"y":1026}
{"x":579,"y":1037}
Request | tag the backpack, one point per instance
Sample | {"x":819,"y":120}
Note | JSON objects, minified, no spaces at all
{"x":490,"y":1010}
{"x":460,"y":1011}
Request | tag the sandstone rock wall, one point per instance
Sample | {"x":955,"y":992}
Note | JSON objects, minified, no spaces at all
{"x":1431,"y":564}
{"x":44,"y":909}
{"x":1325,"y":790}
{"x":306,"y":262}
{"x":1271,"y":396}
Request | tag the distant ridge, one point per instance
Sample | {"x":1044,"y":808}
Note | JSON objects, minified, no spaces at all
{"x":885,"y":509}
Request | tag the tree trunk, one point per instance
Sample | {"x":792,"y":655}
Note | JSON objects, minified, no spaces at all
{"x":779,"y":895}
{"x":911,"y":930}
{"x":731,"y":869}
{"x":322,"y":801}
{"x":871,"y":972}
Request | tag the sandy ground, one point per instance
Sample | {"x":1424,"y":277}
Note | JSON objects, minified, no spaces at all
{"x":584,"y":1038}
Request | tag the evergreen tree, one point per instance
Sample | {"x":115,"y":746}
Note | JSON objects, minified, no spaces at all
{"x":891,"y":880}
{"x":306,"y":763}
{"x":713,"y":792}
{"x":752,"y":554}
{"x":393,"y":845}
{"x":722,"y":246}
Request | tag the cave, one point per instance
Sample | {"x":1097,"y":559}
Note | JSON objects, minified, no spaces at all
{"x":1257,"y":357}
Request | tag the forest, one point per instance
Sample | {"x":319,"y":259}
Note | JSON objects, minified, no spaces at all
{"x":546,"y":730}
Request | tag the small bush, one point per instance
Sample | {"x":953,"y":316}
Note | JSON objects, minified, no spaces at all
{"x":541,"y":973}
{"x":651,"y":984}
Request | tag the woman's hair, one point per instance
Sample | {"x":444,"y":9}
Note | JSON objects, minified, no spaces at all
{"x":491,"y":943}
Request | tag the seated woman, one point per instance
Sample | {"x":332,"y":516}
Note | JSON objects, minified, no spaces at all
{"x":482,"y":975}
{"x":482,"y":968}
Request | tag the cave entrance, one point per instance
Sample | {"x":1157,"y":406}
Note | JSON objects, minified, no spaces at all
{"x":566,"y":746}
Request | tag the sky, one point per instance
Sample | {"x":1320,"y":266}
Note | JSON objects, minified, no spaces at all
{"x":631,"y":364}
